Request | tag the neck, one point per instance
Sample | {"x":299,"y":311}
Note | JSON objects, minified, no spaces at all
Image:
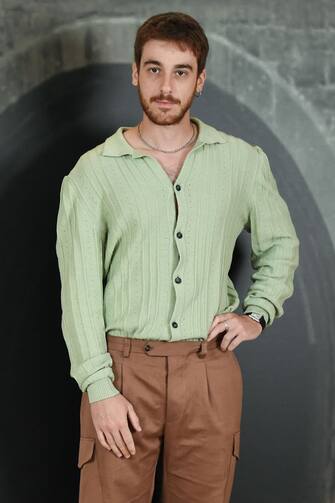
{"x":167,"y":136}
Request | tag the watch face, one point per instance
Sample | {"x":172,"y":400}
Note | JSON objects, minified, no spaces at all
{"x":254,"y":315}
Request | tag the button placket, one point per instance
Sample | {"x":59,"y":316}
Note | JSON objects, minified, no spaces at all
{"x":183,"y":202}
{"x":177,"y":276}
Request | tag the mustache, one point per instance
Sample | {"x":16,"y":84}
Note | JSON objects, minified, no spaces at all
{"x":162,"y":98}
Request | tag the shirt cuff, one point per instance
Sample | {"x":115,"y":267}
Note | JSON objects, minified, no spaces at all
{"x":101,"y":389}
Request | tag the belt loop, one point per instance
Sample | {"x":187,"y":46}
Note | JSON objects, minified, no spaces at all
{"x":126,"y":346}
{"x":203,"y":349}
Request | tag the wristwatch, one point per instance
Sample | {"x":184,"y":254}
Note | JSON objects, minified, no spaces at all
{"x":257,"y":317}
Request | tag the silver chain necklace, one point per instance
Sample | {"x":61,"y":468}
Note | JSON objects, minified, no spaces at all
{"x":168,"y":151}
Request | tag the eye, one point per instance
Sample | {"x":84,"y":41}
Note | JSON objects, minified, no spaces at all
{"x":156,"y":68}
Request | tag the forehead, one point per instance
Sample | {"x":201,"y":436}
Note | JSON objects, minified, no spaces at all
{"x":155,"y":49}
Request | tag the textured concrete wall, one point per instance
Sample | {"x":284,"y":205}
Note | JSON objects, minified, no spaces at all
{"x":294,"y":38}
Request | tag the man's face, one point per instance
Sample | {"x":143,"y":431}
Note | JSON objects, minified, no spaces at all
{"x":166,"y":73}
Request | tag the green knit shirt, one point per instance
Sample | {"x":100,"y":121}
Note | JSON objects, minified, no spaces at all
{"x":131,"y":266}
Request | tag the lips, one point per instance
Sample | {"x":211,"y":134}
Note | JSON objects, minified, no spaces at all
{"x":164,"y":105}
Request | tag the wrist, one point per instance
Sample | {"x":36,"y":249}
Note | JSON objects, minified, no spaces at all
{"x":259,"y":318}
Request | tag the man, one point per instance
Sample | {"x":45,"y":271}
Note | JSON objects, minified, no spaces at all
{"x":146,"y":229}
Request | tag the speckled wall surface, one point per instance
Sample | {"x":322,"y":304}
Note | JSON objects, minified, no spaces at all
{"x":65,"y":86}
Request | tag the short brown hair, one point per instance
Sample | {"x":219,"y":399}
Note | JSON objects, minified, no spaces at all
{"x":177,"y":27}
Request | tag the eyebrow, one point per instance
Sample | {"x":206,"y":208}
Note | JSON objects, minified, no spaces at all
{"x":155,"y":62}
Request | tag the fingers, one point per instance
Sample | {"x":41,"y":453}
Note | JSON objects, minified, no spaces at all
{"x":125,"y":431}
{"x":128,"y":439}
{"x":230,"y":342}
{"x":214,"y":323}
{"x":220,"y":327}
{"x":120,"y":441}
{"x":119,"y":438}
{"x":102,"y":440}
{"x":110,"y":444}
{"x":218,"y":324}
{"x":231,"y":333}
{"x":134,"y":418}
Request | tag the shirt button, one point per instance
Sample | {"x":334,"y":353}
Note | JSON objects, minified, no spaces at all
{"x":178,"y":187}
{"x":174,"y":324}
{"x":179,"y":235}
{"x":178,"y":279}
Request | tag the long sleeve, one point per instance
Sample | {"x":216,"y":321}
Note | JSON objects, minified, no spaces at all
{"x":79,"y":248}
{"x":274,"y":243}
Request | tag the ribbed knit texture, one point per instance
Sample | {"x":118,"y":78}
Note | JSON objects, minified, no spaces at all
{"x":119,"y":253}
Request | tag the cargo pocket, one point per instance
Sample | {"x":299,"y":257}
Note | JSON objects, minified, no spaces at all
{"x":90,"y":484}
{"x":86,"y":449}
{"x":235,"y":456}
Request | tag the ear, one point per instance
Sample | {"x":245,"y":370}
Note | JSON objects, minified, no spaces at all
{"x":201,"y":79}
{"x":134,"y":73}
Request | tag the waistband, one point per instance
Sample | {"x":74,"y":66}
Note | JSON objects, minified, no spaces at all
{"x":155,"y":347}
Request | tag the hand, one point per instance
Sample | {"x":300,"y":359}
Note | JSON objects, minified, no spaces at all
{"x":110,"y":421}
{"x":240,"y":328}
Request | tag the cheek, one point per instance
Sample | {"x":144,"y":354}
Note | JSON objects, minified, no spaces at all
{"x":150,"y":91}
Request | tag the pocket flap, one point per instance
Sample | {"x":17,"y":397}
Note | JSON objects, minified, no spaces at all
{"x":236,"y":450}
{"x":86,"y":447}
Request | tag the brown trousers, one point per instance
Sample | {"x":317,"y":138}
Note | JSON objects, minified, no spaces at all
{"x":188,"y":395}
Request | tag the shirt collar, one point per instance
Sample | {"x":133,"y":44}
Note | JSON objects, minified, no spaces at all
{"x":116,"y":145}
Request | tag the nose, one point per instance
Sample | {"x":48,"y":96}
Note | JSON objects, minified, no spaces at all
{"x":166,"y":87}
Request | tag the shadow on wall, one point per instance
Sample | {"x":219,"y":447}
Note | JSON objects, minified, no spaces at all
{"x":288,"y":371}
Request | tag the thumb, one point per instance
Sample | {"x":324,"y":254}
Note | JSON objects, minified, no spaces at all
{"x":134,"y":419}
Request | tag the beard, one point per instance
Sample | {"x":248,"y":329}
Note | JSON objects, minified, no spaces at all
{"x":169,"y":116}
